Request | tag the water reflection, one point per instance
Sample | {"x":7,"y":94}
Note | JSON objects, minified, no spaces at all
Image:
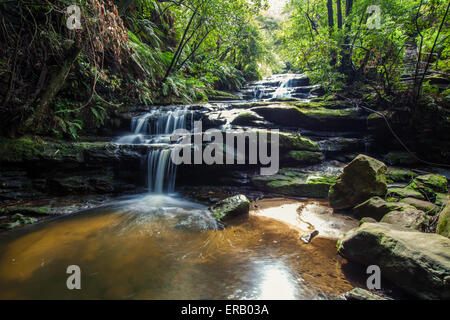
{"x":161,"y":247}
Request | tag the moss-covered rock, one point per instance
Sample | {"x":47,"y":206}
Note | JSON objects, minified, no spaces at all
{"x":377,"y":208}
{"x":288,"y":141}
{"x":441,"y":199}
{"x":400,"y":159}
{"x":28,"y":210}
{"x":231,"y":206}
{"x":443,"y":227}
{"x":26,"y":149}
{"x":305,"y":157}
{"x":293,"y":182}
{"x":429,"y":185}
{"x":401,"y":193}
{"x":425,"y":206}
{"x":400,"y":175}
{"x":316,"y":116}
{"x":417,"y":262}
{"x":248,"y":119}
{"x":361,"y":179}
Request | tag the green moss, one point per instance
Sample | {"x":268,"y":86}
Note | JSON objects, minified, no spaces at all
{"x":400,"y":175}
{"x":221,"y":95}
{"x":443,"y":227}
{"x":291,"y":141}
{"x":401,"y":193}
{"x":429,"y":185}
{"x":26,"y":149}
{"x":306,"y":157}
{"x":400,"y":159}
{"x":291,"y":181}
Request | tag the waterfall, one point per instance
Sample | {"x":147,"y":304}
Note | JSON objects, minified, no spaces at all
{"x":161,"y":172}
{"x":284,"y":90}
{"x":155,"y":128}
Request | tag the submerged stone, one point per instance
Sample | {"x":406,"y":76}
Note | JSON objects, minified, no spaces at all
{"x":231,"y":206}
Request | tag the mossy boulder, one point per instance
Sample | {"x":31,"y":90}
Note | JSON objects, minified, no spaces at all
{"x":400,"y":175}
{"x":304,"y":157}
{"x":427,"y":207}
{"x":417,"y":262}
{"x":443,"y":227}
{"x":401,"y":193}
{"x":361,"y":179}
{"x":429,"y":185}
{"x":407,"y":218}
{"x":287,"y":141}
{"x":377,"y":208}
{"x":314,"y":116}
{"x":248,"y":119}
{"x":441,"y":199}
{"x":231,"y":206}
{"x":27,"y":149}
{"x":294,"y":182}
{"x":400,"y":159}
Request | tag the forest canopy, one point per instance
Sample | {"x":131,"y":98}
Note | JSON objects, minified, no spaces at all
{"x":65,"y":72}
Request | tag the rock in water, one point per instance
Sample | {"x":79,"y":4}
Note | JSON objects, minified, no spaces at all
{"x":362,"y":178}
{"x":361,"y":294}
{"x":307,"y":238}
{"x":417,"y":262}
{"x":443,"y":227}
{"x":231,"y":206}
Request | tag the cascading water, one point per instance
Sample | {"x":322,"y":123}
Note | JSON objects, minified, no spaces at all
{"x":285,"y":89}
{"x":155,"y":128}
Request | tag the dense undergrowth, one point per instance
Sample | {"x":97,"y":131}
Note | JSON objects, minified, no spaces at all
{"x":61,"y":82}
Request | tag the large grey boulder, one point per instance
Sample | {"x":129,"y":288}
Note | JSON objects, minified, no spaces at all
{"x":408,"y":218}
{"x":361,"y":179}
{"x":417,"y":262}
{"x":231,"y":206}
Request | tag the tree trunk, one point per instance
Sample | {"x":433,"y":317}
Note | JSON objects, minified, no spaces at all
{"x":330,"y":15}
{"x":55,"y":83}
{"x":348,"y":7}
{"x":346,"y":54}
{"x":339,"y":13}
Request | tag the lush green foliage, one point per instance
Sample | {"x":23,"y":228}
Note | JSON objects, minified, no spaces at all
{"x":128,"y":52}
{"x":355,"y":51}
